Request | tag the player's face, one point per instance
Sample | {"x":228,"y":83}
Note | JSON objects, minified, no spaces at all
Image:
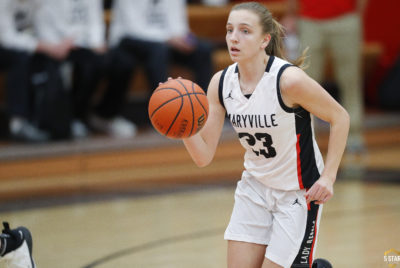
{"x":244,"y":36}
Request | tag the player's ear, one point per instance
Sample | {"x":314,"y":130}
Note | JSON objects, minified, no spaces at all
{"x":265,"y":41}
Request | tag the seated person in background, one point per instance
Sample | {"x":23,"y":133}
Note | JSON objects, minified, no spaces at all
{"x":152,"y":34}
{"x":80,"y":21}
{"x":17,"y":46}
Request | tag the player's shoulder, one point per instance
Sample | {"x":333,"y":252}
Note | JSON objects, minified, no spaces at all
{"x":217,"y":75}
{"x":214,"y":87}
{"x":292,"y":77}
{"x":216,"y":79}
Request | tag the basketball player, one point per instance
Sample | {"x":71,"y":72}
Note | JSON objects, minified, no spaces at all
{"x":16,"y":248}
{"x":278,"y":201}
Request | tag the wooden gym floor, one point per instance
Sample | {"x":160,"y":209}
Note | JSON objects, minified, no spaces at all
{"x":143,"y":203}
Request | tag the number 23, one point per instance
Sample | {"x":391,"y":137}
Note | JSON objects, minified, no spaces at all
{"x":266,"y":140}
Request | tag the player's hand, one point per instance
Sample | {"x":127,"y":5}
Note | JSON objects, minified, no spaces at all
{"x":100,"y":50}
{"x":321,"y":191}
{"x":182,"y":43}
{"x":57,"y":51}
{"x":169,"y":78}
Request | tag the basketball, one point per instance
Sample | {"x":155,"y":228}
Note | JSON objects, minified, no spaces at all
{"x":178,"y":108}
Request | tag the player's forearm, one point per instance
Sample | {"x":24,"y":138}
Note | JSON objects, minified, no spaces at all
{"x":337,"y":143}
{"x":199,"y":150}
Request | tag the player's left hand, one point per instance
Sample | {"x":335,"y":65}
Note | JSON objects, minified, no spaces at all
{"x":321,"y":191}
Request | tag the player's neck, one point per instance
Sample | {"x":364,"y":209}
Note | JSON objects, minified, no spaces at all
{"x":251,"y":72}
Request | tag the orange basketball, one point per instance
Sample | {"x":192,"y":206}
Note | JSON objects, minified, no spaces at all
{"x":178,"y":108}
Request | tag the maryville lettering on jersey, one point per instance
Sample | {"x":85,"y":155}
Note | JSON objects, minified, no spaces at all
{"x":253,"y":120}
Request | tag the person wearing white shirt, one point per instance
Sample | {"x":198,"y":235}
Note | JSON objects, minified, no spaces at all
{"x":82,"y":22}
{"x":152,"y":34}
{"x":18,"y":45}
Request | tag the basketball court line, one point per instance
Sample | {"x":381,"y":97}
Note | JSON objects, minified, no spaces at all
{"x":379,"y":211}
{"x":154,"y":244}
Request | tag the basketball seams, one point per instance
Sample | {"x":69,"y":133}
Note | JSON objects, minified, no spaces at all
{"x":191,"y":104}
{"x":180,"y":96}
{"x":163,"y":104}
{"x":176,"y":116}
{"x":197,"y":98}
{"x":159,"y":107}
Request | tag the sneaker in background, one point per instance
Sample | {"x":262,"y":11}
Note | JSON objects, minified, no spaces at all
{"x":22,"y":130}
{"x":79,"y":129}
{"x":16,"y":248}
{"x":118,"y":127}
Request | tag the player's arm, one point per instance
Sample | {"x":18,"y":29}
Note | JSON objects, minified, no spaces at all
{"x":298,"y":89}
{"x":203,"y":145}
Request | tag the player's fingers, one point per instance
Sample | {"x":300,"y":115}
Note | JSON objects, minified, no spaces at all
{"x":321,"y":201}
{"x":169,"y":78}
{"x":324,"y":199}
{"x":320,"y":193}
{"x":310,"y":194}
{"x":313,"y":192}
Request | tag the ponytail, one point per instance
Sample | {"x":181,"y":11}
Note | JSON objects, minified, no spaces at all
{"x":276,"y":46}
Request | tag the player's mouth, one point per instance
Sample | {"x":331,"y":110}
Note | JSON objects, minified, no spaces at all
{"x":234,"y":51}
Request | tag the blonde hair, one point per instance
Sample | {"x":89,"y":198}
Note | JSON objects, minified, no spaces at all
{"x":272,"y":27}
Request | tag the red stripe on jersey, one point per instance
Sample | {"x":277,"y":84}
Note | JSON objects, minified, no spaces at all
{"x":299,"y":177}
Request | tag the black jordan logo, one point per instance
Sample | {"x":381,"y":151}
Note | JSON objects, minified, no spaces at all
{"x":229,"y":95}
{"x":296,"y":202}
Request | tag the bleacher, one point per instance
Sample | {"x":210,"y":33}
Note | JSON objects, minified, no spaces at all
{"x":27,"y":170}
{"x":209,"y":22}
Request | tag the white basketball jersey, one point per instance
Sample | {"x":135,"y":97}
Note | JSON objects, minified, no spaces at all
{"x":281,"y":151}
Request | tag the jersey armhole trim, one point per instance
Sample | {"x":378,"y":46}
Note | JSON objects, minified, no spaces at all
{"x":269,"y":63}
{"x":221,"y":87}
{"x":278,"y":89}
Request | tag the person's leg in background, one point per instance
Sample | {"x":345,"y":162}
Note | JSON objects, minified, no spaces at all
{"x":199,"y":61}
{"x":154,"y":57}
{"x":346,"y":43}
{"x":311,"y":36}
{"x":107,"y":117}
{"x":19,"y":97}
{"x":345,"y":39}
{"x":50,"y":83}
{"x":88,"y":69}
{"x":156,"y":62}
